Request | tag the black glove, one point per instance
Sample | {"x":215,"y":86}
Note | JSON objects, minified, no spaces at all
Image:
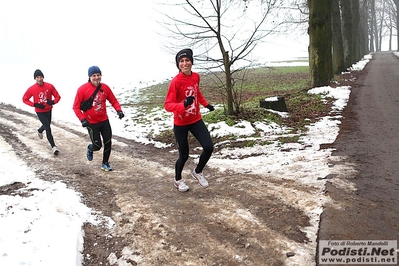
{"x":188,"y":101}
{"x":50,"y":102}
{"x":120,"y":114}
{"x":85,"y":123}
{"x":210,"y":107}
{"x":38,"y":105}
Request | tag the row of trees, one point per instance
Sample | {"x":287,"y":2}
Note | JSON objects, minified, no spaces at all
{"x":224,"y":33}
{"x":341,"y":32}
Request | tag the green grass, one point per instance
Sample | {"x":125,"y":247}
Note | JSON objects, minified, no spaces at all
{"x":266,"y":79}
{"x":290,"y":82}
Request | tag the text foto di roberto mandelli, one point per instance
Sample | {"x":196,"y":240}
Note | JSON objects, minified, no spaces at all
{"x":370,"y":251}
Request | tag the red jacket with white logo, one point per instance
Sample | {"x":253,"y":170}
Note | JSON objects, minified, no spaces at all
{"x":41,"y":94}
{"x":98,"y":113}
{"x":180,"y":87}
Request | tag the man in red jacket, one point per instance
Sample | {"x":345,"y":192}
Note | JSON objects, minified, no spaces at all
{"x":183,"y":99}
{"x":43,"y":101}
{"x":95,"y":119}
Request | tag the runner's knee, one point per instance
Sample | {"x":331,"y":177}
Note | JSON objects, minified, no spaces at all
{"x":96,"y":147}
{"x":208,"y":148}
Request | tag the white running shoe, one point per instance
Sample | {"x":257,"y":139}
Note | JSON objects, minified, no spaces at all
{"x":181,"y":186}
{"x":200,"y":178}
{"x":40,"y":135}
{"x":55,"y":150}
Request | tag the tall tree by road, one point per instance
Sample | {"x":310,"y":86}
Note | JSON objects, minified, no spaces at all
{"x":356,"y":56}
{"x":338,"y":48}
{"x":347,"y":32}
{"x":363,"y":28}
{"x":320,"y":42}
{"x":397,"y":22}
{"x":389,"y":23}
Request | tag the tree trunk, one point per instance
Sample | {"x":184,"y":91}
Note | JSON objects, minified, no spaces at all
{"x":320,"y":42}
{"x":356,"y":56}
{"x":397,"y":23}
{"x":347,"y":25}
{"x":229,"y":85}
{"x":390,"y":34}
{"x":363,"y":30}
{"x":381,"y":25}
{"x":338,"y":49}
{"x":375,"y":27}
{"x":371,"y":30}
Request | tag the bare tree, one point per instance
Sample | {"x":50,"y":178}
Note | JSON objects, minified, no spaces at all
{"x":390,"y":21}
{"x":300,"y":17}
{"x":375,"y":27}
{"x":223,"y":33}
{"x":386,"y":15}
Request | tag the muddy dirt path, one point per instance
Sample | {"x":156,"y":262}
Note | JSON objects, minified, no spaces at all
{"x":368,"y":141}
{"x":239,"y":220}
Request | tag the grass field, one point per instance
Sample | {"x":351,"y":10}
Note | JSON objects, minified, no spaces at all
{"x":292,"y":83}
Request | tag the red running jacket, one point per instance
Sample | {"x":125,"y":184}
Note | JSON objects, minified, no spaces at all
{"x":41,"y":94}
{"x":180,"y":87}
{"x":98,"y":113}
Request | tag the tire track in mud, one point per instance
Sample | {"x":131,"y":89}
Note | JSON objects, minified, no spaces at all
{"x":241,"y":219}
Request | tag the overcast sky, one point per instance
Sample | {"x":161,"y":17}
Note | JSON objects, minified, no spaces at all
{"x":64,"y":38}
{"x":75,"y":34}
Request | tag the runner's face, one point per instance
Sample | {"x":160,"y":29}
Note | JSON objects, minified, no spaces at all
{"x":95,"y":79}
{"x":185,"y":66}
{"x":39,"y":80}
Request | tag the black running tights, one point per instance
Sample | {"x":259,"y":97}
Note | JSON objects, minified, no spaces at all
{"x":45,"y":119}
{"x":103,"y":128}
{"x":201,"y":133}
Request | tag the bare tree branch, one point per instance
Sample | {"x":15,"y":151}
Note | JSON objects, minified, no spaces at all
{"x":223,"y":34}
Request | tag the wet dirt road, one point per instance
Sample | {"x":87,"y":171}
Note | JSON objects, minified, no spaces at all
{"x":368,"y":141}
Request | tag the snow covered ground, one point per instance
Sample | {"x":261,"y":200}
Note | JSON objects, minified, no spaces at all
{"x":53,"y":212}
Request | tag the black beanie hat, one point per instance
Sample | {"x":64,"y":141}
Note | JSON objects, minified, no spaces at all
{"x":184,"y":53}
{"x":38,"y":72}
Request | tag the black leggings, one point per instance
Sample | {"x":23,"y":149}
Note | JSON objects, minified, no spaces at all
{"x":103,"y":128}
{"x":45,"y":119}
{"x":201,"y":133}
